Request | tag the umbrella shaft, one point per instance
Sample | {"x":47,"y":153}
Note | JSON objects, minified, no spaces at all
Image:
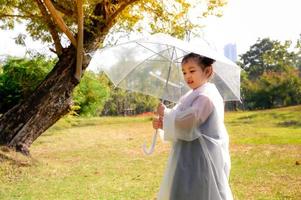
{"x":168,"y":76}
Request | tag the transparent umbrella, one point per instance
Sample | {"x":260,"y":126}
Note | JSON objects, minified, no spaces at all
{"x":152,"y":66}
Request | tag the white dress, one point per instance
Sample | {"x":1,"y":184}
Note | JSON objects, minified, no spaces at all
{"x":199,"y":164}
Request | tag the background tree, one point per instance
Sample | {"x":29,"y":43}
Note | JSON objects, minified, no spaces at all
{"x":19,"y":77}
{"x":298,"y":47}
{"x":267,"y":56}
{"x":86,"y":24}
{"x":90,"y":95}
{"x":271,"y":76}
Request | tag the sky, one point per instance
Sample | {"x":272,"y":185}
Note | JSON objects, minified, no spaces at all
{"x":242,"y":23}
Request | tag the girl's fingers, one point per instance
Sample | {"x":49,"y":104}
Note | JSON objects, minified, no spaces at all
{"x":160,"y":109}
{"x":157,"y":123}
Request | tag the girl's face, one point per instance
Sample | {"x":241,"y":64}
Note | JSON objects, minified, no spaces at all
{"x":194,"y":75}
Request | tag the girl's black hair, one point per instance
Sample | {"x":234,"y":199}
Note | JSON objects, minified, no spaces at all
{"x":202,"y":61}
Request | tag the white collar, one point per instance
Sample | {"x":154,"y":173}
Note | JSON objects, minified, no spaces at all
{"x":201,"y":88}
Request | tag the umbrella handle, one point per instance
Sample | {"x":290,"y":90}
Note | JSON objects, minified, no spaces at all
{"x":152,"y":148}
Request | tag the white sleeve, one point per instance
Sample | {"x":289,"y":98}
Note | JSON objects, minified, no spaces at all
{"x":198,"y":113}
{"x":168,"y":124}
{"x":182,"y":124}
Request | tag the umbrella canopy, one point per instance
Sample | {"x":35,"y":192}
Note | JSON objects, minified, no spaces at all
{"x":152,"y":66}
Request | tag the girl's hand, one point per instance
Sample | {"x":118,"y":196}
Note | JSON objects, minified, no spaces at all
{"x":160,"y":109}
{"x":158,"y":123}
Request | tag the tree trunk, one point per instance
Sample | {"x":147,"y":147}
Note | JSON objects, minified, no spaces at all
{"x":24,"y":123}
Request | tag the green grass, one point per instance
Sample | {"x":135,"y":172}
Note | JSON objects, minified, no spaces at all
{"x":101,"y":158}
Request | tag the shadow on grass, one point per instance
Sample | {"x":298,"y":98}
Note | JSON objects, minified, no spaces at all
{"x":290,"y":123}
{"x":244,"y":120}
{"x":14,"y":158}
{"x":279,"y":119}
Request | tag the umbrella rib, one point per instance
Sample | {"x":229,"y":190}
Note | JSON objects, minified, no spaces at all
{"x":124,"y":77}
{"x":134,"y":68}
{"x":226,"y":84}
{"x":178,"y":69}
{"x":158,"y":52}
{"x":146,"y":93}
{"x":164,"y":80}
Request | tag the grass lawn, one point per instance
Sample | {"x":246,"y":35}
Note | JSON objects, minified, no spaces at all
{"x":101,"y":158}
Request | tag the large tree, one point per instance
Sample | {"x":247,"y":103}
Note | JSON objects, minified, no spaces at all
{"x":271,"y":76}
{"x":268,"y":55}
{"x":86,"y":24}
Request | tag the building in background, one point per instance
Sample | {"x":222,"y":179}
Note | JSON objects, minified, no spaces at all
{"x":230,"y":51}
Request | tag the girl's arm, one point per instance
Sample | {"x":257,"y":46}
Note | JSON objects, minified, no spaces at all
{"x":196,"y":114}
{"x":182,"y":124}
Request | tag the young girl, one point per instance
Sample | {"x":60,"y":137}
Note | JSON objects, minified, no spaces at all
{"x":199,"y":164}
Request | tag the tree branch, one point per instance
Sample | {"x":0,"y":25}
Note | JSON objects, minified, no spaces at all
{"x":51,"y":27}
{"x":120,"y":8}
{"x":60,"y":22}
{"x":101,"y":27}
{"x":62,"y":9}
{"x":80,"y":39}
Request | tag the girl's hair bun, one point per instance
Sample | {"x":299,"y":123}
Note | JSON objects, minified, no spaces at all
{"x":203,"y":61}
{"x":207,"y":61}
